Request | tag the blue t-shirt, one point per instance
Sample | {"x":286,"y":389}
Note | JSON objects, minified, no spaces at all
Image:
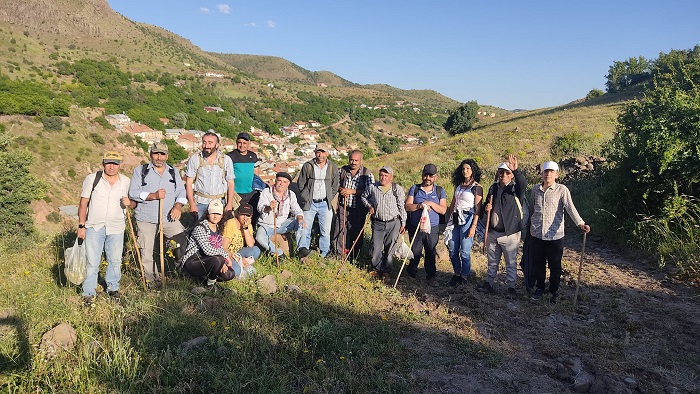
{"x":418,"y":197}
{"x":243,"y":169}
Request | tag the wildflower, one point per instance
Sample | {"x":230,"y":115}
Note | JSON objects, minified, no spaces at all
{"x":213,"y":324}
{"x":342,"y":358}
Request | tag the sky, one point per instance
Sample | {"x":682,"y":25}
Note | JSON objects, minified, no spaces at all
{"x":509,"y":54}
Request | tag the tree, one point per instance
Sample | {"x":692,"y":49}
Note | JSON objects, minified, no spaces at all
{"x":179,"y":120}
{"x":622,"y":75}
{"x":176,"y":153}
{"x":594,"y":93}
{"x":462,"y":119}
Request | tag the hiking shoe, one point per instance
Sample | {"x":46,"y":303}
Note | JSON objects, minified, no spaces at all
{"x":89,"y":301}
{"x":153,"y":285}
{"x":432,"y":282}
{"x":511,"y":294}
{"x":455,"y":281}
{"x":386,"y":278}
{"x":303,"y":252}
{"x":485,"y":288}
{"x":114,"y":294}
{"x":553,"y":298}
{"x":537,"y":295}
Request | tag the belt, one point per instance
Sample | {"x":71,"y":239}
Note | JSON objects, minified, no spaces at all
{"x":210,"y":196}
{"x":383,"y":221}
{"x":319,"y":200}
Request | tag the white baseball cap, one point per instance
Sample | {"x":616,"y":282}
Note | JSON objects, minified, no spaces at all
{"x":550,"y":165}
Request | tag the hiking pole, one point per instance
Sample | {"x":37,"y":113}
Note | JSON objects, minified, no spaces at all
{"x":162,"y":243}
{"x":274,"y":237}
{"x":345,"y":230}
{"x":488,"y":222}
{"x":580,"y":267}
{"x":410,"y":247}
{"x":347,"y":256}
{"x":136,"y":246}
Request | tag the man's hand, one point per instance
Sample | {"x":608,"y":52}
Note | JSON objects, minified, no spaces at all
{"x":488,"y":207}
{"x":159,"y":194}
{"x":300,"y":220}
{"x":402,"y":230}
{"x":228,"y":207}
{"x":345,"y":192}
{"x":273,"y":204}
{"x":126,"y":203}
{"x":585,"y":228}
{"x":371,"y":211}
{"x":81,"y":233}
{"x":176,"y":213}
{"x":512,"y":162}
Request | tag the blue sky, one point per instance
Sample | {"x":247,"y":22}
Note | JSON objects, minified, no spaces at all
{"x":511,"y":54}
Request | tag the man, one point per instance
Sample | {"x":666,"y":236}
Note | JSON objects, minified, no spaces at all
{"x":243,"y":167}
{"x":354,"y":179}
{"x":275,"y":205}
{"x":318,"y":185}
{"x":432,"y":197}
{"x":505,"y":224}
{"x":101,"y":224}
{"x":549,"y":201}
{"x":156,"y":183}
{"x":210,"y":176}
{"x":385,"y":201}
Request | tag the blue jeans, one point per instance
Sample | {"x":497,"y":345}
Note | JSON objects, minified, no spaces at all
{"x":265,"y":233}
{"x":460,"y":247}
{"x":248,"y":251}
{"x":325,"y":218}
{"x":113,"y":245}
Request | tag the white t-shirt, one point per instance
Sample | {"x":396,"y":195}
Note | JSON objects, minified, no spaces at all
{"x":464,"y":198}
{"x":105,"y":207}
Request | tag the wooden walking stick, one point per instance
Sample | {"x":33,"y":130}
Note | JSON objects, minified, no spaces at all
{"x":580,"y":267}
{"x":345,"y":229}
{"x":410,"y":247}
{"x":488,"y":222}
{"x":274,"y":237}
{"x":136,"y":246}
{"x":162,"y":243}
{"x":347,"y":256}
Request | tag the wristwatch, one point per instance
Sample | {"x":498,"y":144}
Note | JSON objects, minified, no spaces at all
{"x":81,"y":226}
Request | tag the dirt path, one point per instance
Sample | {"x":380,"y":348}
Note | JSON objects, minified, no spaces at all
{"x":635,"y":330}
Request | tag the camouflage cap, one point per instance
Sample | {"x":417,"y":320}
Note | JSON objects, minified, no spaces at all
{"x":159,"y":147}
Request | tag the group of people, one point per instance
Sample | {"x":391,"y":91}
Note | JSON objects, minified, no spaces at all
{"x":219,"y":186}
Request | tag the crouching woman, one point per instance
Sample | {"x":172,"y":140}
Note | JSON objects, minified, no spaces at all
{"x":206,"y":256}
{"x":239,"y":242}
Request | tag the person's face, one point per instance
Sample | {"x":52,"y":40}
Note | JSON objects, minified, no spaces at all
{"x":159,"y":159}
{"x":209,"y":145}
{"x":244,"y":219}
{"x":215,"y":218}
{"x":111,"y":169}
{"x":505,"y":177}
{"x":467,"y":172}
{"x":549,"y":176}
{"x":281,"y":184}
{"x":242,"y":145}
{"x":355,"y":161}
{"x":321,"y":156}
{"x":385,"y":178}
{"x":429,"y":179}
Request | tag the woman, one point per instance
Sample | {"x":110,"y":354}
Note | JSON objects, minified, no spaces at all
{"x":239,"y":242}
{"x":464,"y":215}
{"x":206,"y":256}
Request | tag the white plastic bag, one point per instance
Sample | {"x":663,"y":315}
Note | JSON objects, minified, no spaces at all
{"x":76,"y":262}
{"x":403,"y":250}
{"x":424,"y":223}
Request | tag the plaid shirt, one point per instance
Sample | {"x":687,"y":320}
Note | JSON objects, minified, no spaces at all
{"x":547,"y":213}
{"x":386,"y":205}
{"x":353,"y":182}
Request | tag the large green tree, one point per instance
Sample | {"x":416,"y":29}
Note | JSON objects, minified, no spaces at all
{"x":462,"y":119}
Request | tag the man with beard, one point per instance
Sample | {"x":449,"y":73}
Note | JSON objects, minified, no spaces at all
{"x":351,"y":216}
{"x":210,"y":176}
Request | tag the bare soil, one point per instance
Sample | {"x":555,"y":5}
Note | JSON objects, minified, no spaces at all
{"x":635,"y":329}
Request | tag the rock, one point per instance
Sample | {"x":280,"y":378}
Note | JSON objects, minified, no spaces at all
{"x":562,"y":372}
{"x":268,"y":285}
{"x":193,"y":343}
{"x":199,"y":290}
{"x":631,"y":382}
{"x":285,"y":275}
{"x":583,"y":382}
{"x":292,"y":289}
{"x":61,"y":337}
{"x":222,"y":350}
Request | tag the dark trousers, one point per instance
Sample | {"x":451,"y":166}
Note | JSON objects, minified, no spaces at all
{"x":207,"y":267}
{"x":384,"y":236}
{"x":354,"y":220}
{"x":543,"y":253}
{"x":427,"y":242}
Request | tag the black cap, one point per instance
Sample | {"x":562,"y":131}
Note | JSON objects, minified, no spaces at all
{"x":245,"y":209}
{"x":245,"y":136}
{"x":430,"y":169}
{"x":283,"y":174}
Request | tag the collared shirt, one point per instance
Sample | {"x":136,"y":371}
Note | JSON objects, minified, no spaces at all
{"x":349,"y":181}
{"x":212,"y":179}
{"x":288,"y":203}
{"x":147,"y":211}
{"x":420,"y":196}
{"x":547,"y":217}
{"x":105,"y":209}
{"x":387,"y":206}
{"x":319,"y":192}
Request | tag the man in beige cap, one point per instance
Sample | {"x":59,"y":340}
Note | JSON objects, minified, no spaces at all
{"x":156,"y":183}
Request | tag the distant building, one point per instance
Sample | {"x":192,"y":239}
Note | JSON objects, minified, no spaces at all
{"x":213,"y":109}
{"x":144,"y":132}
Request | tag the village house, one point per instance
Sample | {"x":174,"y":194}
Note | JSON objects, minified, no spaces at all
{"x":213,"y":109}
{"x":144,"y":132}
{"x":309,"y":135}
{"x":173,"y":134}
{"x":300,"y":125}
{"x":164,"y":121}
{"x":189,"y":142}
{"x":118,"y":121}
{"x":314,"y":123}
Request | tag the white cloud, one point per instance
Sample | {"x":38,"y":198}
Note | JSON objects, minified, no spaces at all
{"x":271,"y":24}
{"x":250,"y":24}
{"x":204,"y":10}
{"x":223,"y":8}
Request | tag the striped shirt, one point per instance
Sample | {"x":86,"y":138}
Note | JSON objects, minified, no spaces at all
{"x":547,"y":217}
{"x":353,"y":182}
{"x":387,"y":206}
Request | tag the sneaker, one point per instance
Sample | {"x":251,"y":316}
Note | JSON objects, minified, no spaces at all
{"x":114,"y":294}
{"x":153,"y":285}
{"x":302,"y":252}
{"x":537,"y":295}
{"x":89,"y":301}
{"x":511,"y":294}
{"x":432,"y":282}
{"x":455,"y":281}
{"x":553,"y":298}
{"x":386,"y":278}
{"x":485,"y":288}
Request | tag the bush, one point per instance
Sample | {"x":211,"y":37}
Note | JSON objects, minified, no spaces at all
{"x":96,"y":138}
{"x":570,"y":144}
{"x":54,"y":217}
{"x":52,"y":123}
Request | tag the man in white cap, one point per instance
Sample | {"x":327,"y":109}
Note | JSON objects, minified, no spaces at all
{"x":549,"y":201}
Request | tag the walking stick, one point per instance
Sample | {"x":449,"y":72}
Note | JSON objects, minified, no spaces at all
{"x":415,"y":233}
{"x":274,"y":236}
{"x":488,"y":222}
{"x":162,"y":243}
{"x":580,"y":267}
{"x":347,"y":256}
{"x":345,"y":230}
{"x":136,"y":246}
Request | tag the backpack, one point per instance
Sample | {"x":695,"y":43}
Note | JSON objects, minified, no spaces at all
{"x":219,"y":162}
{"x":145,"y":170}
{"x":438,"y":190}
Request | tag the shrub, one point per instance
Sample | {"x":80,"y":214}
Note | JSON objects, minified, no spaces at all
{"x":52,"y":123}
{"x":96,"y":138}
{"x":54,"y":217}
{"x":570,"y":144}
